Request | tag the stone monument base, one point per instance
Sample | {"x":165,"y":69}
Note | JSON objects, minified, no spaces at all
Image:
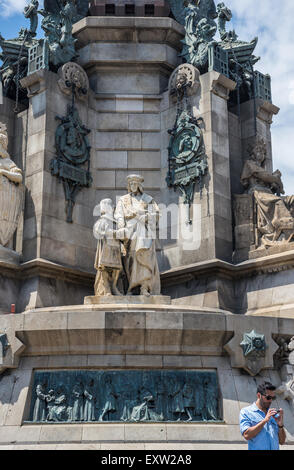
{"x":128,"y":299}
{"x":94,"y":339}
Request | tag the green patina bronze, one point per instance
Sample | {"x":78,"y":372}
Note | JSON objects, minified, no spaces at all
{"x":15,"y":54}
{"x":25,"y":54}
{"x":57,"y":25}
{"x":229,"y":56}
{"x":125,"y":395}
{"x":187,"y":162}
{"x":199,"y":33}
{"x":187,"y":159}
{"x":4,"y":345}
{"x":253,"y":345}
{"x":205,"y":9}
{"x":31,"y":12}
{"x":72,"y":164}
{"x":58,"y":19}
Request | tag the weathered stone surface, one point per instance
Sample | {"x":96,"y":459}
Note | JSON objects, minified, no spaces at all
{"x":143,"y":160}
{"x":128,"y":133}
{"x":128,"y":299}
{"x":110,"y":159}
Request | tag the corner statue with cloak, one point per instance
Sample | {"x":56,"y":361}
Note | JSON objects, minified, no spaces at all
{"x":138,"y":214}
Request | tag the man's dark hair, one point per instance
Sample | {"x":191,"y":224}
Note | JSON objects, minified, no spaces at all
{"x":262,"y":388}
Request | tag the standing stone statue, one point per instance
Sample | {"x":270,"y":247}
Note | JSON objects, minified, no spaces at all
{"x":138,"y":214}
{"x":108,"y":256}
{"x":11,"y":191}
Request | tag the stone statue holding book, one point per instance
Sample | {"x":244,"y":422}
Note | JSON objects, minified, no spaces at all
{"x":126,"y":243}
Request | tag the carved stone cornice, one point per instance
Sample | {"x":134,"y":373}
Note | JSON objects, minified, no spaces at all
{"x":36,"y":82}
{"x":128,"y":29}
{"x":221,"y":85}
{"x":45,"y":268}
{"x":265,"y":265}
{"x":266,"y":111}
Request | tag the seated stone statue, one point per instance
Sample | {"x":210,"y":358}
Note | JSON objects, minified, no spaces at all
{"x":11,"y":191}
{"x":275,"y":222}
{"x":7,"y":167}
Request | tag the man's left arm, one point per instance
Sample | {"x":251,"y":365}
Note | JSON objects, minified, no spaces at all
{"x":282,"y":436}
{"x":280,"y":423}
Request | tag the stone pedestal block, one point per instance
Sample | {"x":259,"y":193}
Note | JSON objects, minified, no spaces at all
{"x":210,"y":234}
{"x":127,"y":299}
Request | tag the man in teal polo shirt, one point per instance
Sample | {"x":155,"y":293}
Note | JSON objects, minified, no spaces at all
{"x":261,"y":425}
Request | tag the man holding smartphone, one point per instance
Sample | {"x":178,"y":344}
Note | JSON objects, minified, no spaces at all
{"x":261,"y":425}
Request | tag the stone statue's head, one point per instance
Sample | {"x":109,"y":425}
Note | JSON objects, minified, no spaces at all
{"x":258,"y":151}
{"x":135,"y":183}
{"x":3,"y":136}
{"x":106,"y":206}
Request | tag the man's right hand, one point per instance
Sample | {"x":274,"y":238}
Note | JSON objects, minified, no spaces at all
{"x":270,"y":414}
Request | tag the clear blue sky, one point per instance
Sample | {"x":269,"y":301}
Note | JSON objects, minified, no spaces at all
{"x":12,"y":20}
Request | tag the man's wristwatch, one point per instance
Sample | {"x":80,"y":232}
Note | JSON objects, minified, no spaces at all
{"x":281,"y":426}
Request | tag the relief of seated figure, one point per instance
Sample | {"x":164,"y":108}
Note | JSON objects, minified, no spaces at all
{"x":275,"y":221}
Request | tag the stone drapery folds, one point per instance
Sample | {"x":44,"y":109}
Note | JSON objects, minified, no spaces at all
{"x":274,"y":212}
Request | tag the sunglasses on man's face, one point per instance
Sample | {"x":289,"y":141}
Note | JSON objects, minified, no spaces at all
{"x":269,"y":397}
